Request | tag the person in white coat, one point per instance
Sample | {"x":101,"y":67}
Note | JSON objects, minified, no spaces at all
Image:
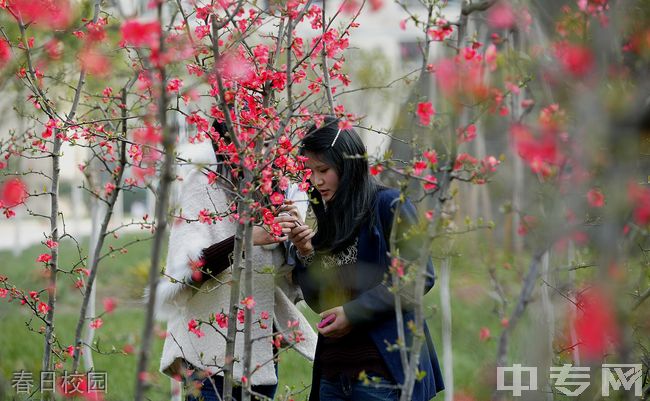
{"x":196,"y":355}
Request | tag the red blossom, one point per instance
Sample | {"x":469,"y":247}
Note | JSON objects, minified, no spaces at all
{"x":96,"y":32}
{"x":202,"y":31}
{"x":468,"y":134}
{"x":54,"y":48}
{"x":5,"y":52}
{"x":595,"y":323}
{"x":397,"y":267}
{"x":443,"y":31}
{"x":527,"y":222}
{"x":376,"y":5}
{"x":431,"y":156}
{"x":541,"y":153}
{"x":461,"y":77}
{"x":575,"y":59}
{"x":193,"y":326}
{"x":138,"y":33}
{"x":376,"y":169}
{"x":419,"y":166}
{"x":277,"y":341}
{"x":43,"y":308}
{"x":205,"y":216}
{"x":222,"y":320}
{"x":55,"y":14}
{"x":425,"y":111}
{"x":639,"y":197}
{"x":484,"y":334}
{"x":149,"y":135}
{"x":431,"y":183}
{"x":51,"y":244}
{"x":44,"y":257}
{"x":596,"y":198}
{"x":13,"y":193}
{"x":174,"y":85}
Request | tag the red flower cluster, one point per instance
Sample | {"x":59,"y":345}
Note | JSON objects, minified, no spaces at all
{"x":141,"y":34}
{"x":55,"y":14}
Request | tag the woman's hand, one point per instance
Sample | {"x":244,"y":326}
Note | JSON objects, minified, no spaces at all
{"x":263,"y":237}
{"x":339,"y":327}
{"x":291,"y":209}
{"x":298,"y":232}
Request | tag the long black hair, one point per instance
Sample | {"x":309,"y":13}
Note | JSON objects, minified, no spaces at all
{"x":353,"y":202}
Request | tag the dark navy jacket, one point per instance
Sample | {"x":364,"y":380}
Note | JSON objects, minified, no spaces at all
{"x":373,"y":308}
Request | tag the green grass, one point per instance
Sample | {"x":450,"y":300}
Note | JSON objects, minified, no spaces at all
{"x":123,"y":276}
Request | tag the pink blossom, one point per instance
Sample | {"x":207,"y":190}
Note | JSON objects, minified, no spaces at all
{"x":248,"y":302}
{"x":109,"y":304}
{"x":491,"y":57}
{"x":501,"y":16}
{"x":202,"y":31}
{"x":425,"y":111}
{"x":205,"y":216}
{"x":96,"y":323}
{"x":94,"y":62}
{"x":109,"y":187}
{"x":484,"y":334}
{"x":277,"y":198}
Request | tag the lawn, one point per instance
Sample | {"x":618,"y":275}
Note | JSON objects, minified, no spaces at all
{"x":123,"y":276}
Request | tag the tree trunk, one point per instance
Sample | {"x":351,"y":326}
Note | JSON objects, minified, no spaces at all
{"x":169,"y":134}
{"x":447,"y":350}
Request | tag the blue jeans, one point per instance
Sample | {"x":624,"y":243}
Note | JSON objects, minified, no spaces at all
{"x":346,"y":389}
{"x":208,"y":394}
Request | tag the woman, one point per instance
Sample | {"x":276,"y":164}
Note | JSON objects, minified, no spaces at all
{"x":195,"y":286}
{"x":341,"y":268}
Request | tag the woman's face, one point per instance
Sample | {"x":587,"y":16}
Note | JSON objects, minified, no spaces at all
{"x":323,"y":176}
